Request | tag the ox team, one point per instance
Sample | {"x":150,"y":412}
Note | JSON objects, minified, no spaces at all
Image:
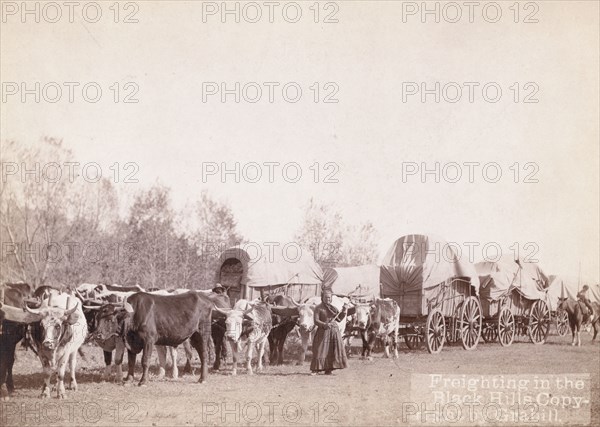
{"x":122,"y":318}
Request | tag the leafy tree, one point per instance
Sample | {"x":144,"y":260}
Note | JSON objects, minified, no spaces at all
{"x":151,"y":240}
{"x":47,"y":215}
{"x":333,"y":242}
{"x":216,"y":231}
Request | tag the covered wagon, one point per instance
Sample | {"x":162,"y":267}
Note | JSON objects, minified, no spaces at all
{"x":360,"y":283}
{"x":514,"y":300}
{"x":249,"y":273}
{"x":437,"y":292}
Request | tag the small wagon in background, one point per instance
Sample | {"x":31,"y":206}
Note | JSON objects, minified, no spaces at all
{"x":514,"y":301}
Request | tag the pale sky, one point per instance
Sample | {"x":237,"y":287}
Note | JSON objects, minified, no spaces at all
{"x":368,"y":134}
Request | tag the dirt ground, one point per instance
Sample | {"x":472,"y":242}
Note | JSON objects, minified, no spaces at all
{"x":376,"y":392}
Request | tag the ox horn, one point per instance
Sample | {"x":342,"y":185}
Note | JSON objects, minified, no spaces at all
{"x":70,"y":311}
{"x":78,"y":294}
{"x":17,"y":315}
{"x":128,"y":307}
{"x":31,"y":310}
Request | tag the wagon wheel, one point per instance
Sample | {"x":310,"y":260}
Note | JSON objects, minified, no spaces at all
{"x":539,"y":322}
{"x":435,"y":331}
{"x":470,"y":321}
{"x":506,"y":327}
{"x":489,"y":332}
{"x":562,"y":322}
{"x":415,"y":340}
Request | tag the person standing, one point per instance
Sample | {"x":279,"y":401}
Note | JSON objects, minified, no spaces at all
{"x":328,"y":352}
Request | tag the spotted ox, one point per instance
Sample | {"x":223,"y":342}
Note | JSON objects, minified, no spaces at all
{"x":13,"y":327}
{"x":247,"y":324}
{"x":58,"y":330}
{"x":361,"y":323}
{"x":384,"y":318}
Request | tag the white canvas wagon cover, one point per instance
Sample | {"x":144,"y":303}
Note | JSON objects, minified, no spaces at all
{"x":497,"y":278}
{"x":420,"y":262}
{"x":274,"y":266}
{"x":359,"y":282}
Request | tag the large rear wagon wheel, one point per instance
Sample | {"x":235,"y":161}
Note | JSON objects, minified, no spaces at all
{"x":506,"y":327}
{"x":562,"y":322}
{"x":539,"y":322}
{"x":435,"y":331}
{"x":470,"y":321}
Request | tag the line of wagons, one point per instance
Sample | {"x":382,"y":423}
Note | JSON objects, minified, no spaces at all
{"x":445,"y":299}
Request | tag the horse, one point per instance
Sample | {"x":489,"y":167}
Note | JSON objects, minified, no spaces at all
{"x":575,"y":311}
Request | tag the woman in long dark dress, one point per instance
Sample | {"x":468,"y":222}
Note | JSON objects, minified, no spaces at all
{"x":328,"y":348}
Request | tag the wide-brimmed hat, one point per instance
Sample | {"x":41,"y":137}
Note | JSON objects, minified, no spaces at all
{"x":217,"y":287}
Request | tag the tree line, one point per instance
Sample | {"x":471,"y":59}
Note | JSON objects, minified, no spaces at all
{"x":59,"y":229}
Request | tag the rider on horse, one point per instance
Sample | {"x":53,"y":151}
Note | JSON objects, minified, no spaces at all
{"x":582,"y":296}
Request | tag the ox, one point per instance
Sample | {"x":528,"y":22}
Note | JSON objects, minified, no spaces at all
{"x":378,"y":320}
{"x":163,"y":351}
{"x":13,"y":327}
{"x":94,"y":311}
{"x":110,"y":319}
{"x":109,"y":335}
{"x":250,"y":324}
{"x":218,"y":326}
{"x":285,"y":317}
{"x":306,"y":320}
{"x":166,"y":320}
{"x":362,"y":324}
{"x":58,"y":331}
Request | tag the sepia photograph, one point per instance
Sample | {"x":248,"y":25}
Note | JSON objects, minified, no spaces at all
{"x":299,"y":213}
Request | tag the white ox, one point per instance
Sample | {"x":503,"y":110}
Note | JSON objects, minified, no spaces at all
{"x":306,"y":320}
{"x":247,"y":324}
{"x":59,"y":328}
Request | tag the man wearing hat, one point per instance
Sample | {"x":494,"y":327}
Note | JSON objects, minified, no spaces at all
{"x":582,"y":296}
